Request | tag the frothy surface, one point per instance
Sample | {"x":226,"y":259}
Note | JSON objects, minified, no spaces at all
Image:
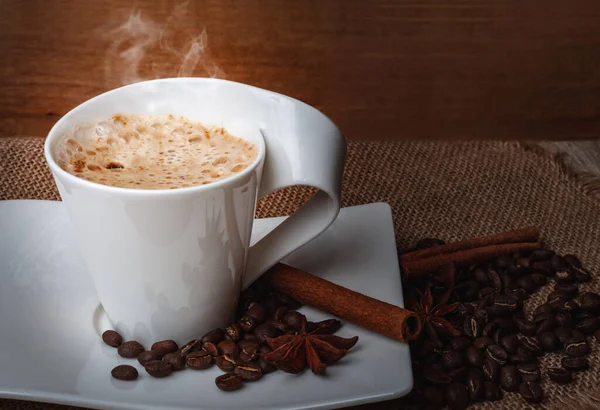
{"x":152,"y":152}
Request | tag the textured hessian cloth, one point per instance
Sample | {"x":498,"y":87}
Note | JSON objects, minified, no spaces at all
{"x":447,"y":190}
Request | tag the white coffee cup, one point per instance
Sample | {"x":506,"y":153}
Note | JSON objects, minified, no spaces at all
{"x":170,"y":264}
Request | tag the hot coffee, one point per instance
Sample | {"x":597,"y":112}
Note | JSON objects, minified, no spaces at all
{"x":152,"y":152}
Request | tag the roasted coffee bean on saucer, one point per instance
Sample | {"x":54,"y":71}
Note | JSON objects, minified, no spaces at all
{"x":199,"y":360}
{"x":158,"y":368}
{"x":112,"y":338}
{"x":124,"y":372}
{"x":229,"y":382}
{"x":175,"y":359}
{"x":147,"y":356}
{"x":164,"y":346}
{"x":130,"y":349}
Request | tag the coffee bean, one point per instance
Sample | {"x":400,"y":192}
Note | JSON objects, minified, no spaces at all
{"x":530,"y":345}
{"x":527,"y":283}
{"x":480,"y":276}
{"x":492,"y":391}
{"x":452,"y":360}
{"x":506,"y":323}
{"x":249,"y":336}
{"x":542,"y":309}
{"x":158,"y":368}
{"x":459,"y":375}
{"x":190,"y":347}
{"x":457,"y":397}
{"x":509,"y":378}
{"x":226,"y":362}
{"x":563,"y":334}
{"x":474,"y":356}
{"x":489,"y":329}
{"x":434,"y":395}
{"x":576,"y":347}
{"x":214,"y":336}
{"x":590,"y":302}
{"x":497,"y":354}
{"x":147,"y":356}
{"x":211,"y":348}
{"x":529,"y":372}
{"x":558,"y":294}
{"x":541,"y":255}
{"x":539,"y":279}
{"x":483,"y":342}
{"x":581,"y":275}
{"x":228,"y":347}
{"x":569,"y":290}
{"x":569,"y":306}
{"x":506,"y":303}
{"x":522,"y":357}
{"x":577,"y":334}
{"x":130,"y":349}
{"x":558,"y":262}
{"x":486,"y":292}
{"x":258,"y":312}
{"x":560,"y":375}
{"x":229,"y":382}
{"x":542,"y":317}
{"x":164,"y":346}
{"x":518,"y":294}
{"x":548,"y":341}
{"x":475,"y":388}
{"x":564,"y":319}
{"x":543,"y":267}
{"x":575,"y":364}
{"x":199,"y":360}
{"x":247,"y":323}
{"x":459,"y":344}
{"x":495,"y":280}
{"x":499,"y":334}
{"x":249,"y":372}
{"x":564,"y":275}
{"x":265,"y":330}
{"x":176,"y":361}
{"x":580,"y":316}
{"x":234,"y":332}
{"x":434,"y":374}
{"x":112,"y":338}
{"x":472,"y":327}
{"x":491,"y":369}
{"x":248,"y":350}
{"x":124,"y":372}
{"x":510,"y":343}
{"x":589,"y":326}
{"x":531,"y":392}
{"x":547,"y":325}
{"x":293,"y":320}
{"x":527,"y":327}
{"x":573,"y":260}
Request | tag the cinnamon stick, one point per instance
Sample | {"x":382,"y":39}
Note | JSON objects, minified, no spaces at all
{"x":419,"y":267}
{"x":529,"y":234}
{"x":381,"y":317}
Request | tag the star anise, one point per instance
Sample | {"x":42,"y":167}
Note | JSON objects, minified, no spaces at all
{"x":292,"y":353}
{"x":432,"y":316}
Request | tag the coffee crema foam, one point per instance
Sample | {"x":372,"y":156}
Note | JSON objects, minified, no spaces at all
{"x":152,"y":152}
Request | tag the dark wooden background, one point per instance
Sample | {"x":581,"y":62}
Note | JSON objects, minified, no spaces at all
{"x":382,"y":69}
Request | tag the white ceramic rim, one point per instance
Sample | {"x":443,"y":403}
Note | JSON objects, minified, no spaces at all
{"x":109,"y":189}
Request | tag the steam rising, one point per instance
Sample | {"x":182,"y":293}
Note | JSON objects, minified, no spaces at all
{"x":143,"y":49}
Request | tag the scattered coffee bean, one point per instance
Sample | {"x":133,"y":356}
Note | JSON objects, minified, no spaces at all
{"x":130,"y":349}
{"x":543,"y":267}
{"x":483,"y":342}
{"x":226,"y":363}
{"x":529,"y":372}
{"x":474,"y":356}
{"x":258,"y":312}
{"x":164,"y":346}
{"x":124,"y":372}
{"x":486,"y":292}
{"x":569,"y":306}
{"x":249,"y":372}
{"x":510,"y":378}
{"x":248,"y":350}
{"x":175,"y":359}
{"x":475,"y":387}
{"x":531,"y":391}
{"x":459,"y":375}
{"x":564,"y":275}
{"x":510,"y":343}
{"x":234,"y":332}
{"x":480,"y":276}
{"x":539,"y":279}
{"x":589,"y":326}
{"x":519,"y":294}
{"x":542,"y":317}
{"x":582,"y":315}
{"x":147,"y":356}
{"x":576,"y":347}
{"x":229,"y":382}
{"x":472,"y":327}
{"x":457,"y":397}
{"x":495,"y":280}
{"x":560,"y":375}
{"x":492,"y":391}
{"x":459,"y":344}
{"x":265,"y":330}
{"x":499,"y":334}
{"x":581,"y":275}
{"x":190,"y":347}
{"x":573,"y":260}
{"x":228,"y":347}
{"x":564,"y":319}
{"x":249,"y":336}
{"x":452,"y":360}
{"x":558,"y":262}
{"x":590,"y":302}
{"x":214,"y":336}
{"x":112,"y":338}
{"x":527,"y":327}
{"x":547,"y":325}
{"x":527,"y":283}
{"x":531,"y":345}
{"x":435,"y":375}
{"x":497,"y":354}
{"x":563,"y":334}
{"x":548,"y":341}
{"x":491,"y":369}
{"x":541,"y":309}
{"x":575,"y":364}
{"x":247,"y":323}
{"x":558,"y":294}
{"x":199,"y":360}
{"x":211,"y":348}
{"x":158,"y":368}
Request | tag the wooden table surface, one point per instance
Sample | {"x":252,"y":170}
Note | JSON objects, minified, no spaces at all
{"x":381,"y":69}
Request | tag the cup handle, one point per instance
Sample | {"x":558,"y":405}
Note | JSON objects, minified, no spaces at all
{"x":316,"y":159}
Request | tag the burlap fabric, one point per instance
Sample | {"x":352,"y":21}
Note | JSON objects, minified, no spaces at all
{"x":451,"y":191}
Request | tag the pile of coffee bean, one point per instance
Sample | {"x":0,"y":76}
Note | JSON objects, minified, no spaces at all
{"x":237,"y":350}
{"x":498,"y":347}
